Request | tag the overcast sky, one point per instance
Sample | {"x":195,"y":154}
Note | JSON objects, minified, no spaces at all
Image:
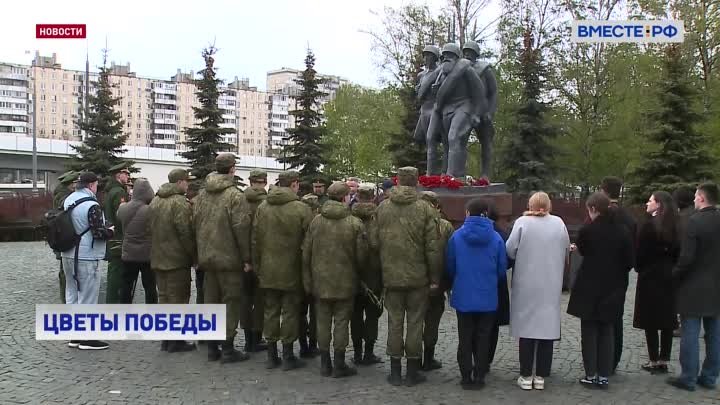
{"x":157,"y":36}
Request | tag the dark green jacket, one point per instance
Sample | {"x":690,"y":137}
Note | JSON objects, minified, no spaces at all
{"x":115,"y":194}
{"x":278,"y":234}
{"x":334,"y":252}
{"x":171,"y":233}
{"x":371,"y":273}
{"x":221,"y":218}
{"x":254,"y":196}
{"x":408,"y":238}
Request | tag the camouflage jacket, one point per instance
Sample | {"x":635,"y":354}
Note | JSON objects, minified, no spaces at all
{"x":254,"y":197}
{"x":334,"y":250}
{"x":115,"y":194}
{"x":371,"y":274}
{"x":170,"y":222}
{"x":221,"y":218}
{"x":408,"y":238}
{"x":277,"y":236}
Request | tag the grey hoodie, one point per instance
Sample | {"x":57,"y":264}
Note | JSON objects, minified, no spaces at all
{"x":134,"y":219}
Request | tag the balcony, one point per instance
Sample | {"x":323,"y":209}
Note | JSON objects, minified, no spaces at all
{"x":163,"y":142}
{"x":8,"y":123}
{"x":164,"y":90}
{"x":172,"y":132}
{"x":165,"y":121}
{"x":164,"y":111}
{"x":164,"y":101}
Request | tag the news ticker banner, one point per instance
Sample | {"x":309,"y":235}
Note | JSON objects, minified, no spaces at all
{"x":130,"y":322}
{"x":633,"y":31}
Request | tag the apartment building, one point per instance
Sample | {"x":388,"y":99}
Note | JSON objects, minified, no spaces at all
{"x":283,"y":81}
{"x":14,"y":84}
{"x":253,"y":108}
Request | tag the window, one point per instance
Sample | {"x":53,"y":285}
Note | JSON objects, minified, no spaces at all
{"x":65,"y":121}
{"x":42,"y":97}
{"x":129,"y":104}
{"x":52,"y":132}
{"x":54,"y":98}
{"x":54,"y":121}
{"x":54,"y":109}
{"x":128,"y":125}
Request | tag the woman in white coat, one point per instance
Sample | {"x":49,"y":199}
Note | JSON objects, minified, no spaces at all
{"x":539,"y":244}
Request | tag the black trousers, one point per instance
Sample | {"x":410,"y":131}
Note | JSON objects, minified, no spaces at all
{"x":538,"y":353}
{"x":364,"y":323}
{"x":199,"y":284}
{"x":659,"y":349}
{"x":130,"y":273}
{"x":492,"y":346}
{"x":473,"y":341}
{"x":308,"y":327}
{"x":618,"y":341}
{"x":597,"y":347}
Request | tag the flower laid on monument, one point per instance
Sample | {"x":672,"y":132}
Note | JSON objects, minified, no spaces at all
{"x":442,"y":181}
{"x":481,"y":182}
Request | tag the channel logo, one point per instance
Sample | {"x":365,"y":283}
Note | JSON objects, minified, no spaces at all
{"x":632,"y":31}
{"x":60,"y":31}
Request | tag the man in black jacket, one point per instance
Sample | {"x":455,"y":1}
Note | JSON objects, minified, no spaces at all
{"x":697,"y":280}
{"x":611,"y":187}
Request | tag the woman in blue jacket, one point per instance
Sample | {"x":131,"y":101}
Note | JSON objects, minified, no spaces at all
{"x":476,"y":262}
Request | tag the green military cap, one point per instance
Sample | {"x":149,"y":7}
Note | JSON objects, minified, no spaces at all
{"x":366,"y":192}
{"x":258,"y":175}
{"x":319,"y":181}
{"x":407,"y":176}
{"x":289,"y":176}
{"x":176,"y":175}
{"x":68,"y":177}
{"x":338,"y":190}
{"x":431,"y":197}
{"x":224,"y":161}
{"x":119,"y":167}
{"x":311,"y":200}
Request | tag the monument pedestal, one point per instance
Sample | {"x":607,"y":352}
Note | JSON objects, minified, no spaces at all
{"x":453,"y":201}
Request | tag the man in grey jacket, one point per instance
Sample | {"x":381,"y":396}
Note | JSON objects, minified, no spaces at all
{"x":697,"y":280}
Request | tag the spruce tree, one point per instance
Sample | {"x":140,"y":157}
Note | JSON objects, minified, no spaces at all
{"x":529,"y":154}
{"x":679,"y":158}
{"x":304,"y":150}
{"x":204,"y":141}
{"x":104,"y":137}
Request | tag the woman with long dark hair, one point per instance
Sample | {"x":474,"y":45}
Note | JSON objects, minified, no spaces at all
{"x":598,"y":295}
{"x":657,"y":251}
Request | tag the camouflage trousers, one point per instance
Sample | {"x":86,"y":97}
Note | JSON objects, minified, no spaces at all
{"x":401,"y":303}
{"x":173,"y":286}
{"x":335,"y":315}
{"x":283,"y":305}
{"x":435,"y":310}
{"x":225,"y":287}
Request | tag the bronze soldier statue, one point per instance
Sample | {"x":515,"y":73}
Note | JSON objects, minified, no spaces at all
{"x":485,"y":130}
{"x":425,"y":94}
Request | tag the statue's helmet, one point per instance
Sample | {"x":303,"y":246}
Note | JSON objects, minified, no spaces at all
{"x":433,"y":50}
{"x":452,"y":48}
{"x":473,"y":46}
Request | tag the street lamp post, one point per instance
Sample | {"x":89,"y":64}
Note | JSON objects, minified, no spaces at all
{"x":34,"y":137}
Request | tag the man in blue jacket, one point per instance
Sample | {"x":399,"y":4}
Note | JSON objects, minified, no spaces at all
{"x":476,"y":261}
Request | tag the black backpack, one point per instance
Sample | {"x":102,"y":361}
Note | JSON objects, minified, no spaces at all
{"x":61,"y":235}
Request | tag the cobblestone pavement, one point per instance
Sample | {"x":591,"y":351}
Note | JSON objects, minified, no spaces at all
{"x":48,"y":372}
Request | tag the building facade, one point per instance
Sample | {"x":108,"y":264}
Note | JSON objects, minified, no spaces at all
{"x":14,"y":99}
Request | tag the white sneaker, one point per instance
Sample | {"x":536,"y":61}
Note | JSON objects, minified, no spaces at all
{"x":538,"y":383}
{"x":525,"y":383}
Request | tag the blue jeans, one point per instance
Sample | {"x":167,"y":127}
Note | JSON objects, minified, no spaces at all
{"x":690,"y":350}
{"x":82,"y":285}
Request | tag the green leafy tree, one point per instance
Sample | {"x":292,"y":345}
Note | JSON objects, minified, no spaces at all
{"x":304,"y":151}
{"x":529,"y":155}
{"x":104,"y":137}
{"x":205,"y":141}
{"x":679,"y":156}
{"x":358,"y":123}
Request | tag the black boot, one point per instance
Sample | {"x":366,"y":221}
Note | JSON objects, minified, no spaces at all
{"x":413,"y":376}
{"x":273,"y":360}
{"x":429,"y":362}
{"x":258,"y":341}
{"x":369,"y":357}
{"x":249,"y":341}
{"x":180,"y":346}
{"x":313,"y":348}
{"x":164,"y":346}
{"x":290,"y":362}
{"x":213,"y":350}
{"x":395,"y":377}
{"x":304,"y":349}
{"x":230,"y":355}
{"x":357,"y":352}
{"x":466,"y":382}
{"x":341,"y":369}
{"x":326,"y":367}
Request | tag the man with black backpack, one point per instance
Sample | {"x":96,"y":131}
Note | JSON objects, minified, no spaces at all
{"x":81,"y":261}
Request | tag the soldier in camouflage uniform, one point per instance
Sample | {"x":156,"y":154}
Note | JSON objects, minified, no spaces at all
{"x":308,"y":322}
{"x":319,"y":190}
{"x":253,"y":311}
{"x":115,"y":194}
{"x":65,"y":187}
{"x":280,"y":224}
{"x":364,"y":325}
{"x":193,"y":190}
{"x":411,"y":268}
{"x":221,"y":219}
{"x":172,"y":245}
{"x":334,"y":250}
{"x":436,"y":302}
